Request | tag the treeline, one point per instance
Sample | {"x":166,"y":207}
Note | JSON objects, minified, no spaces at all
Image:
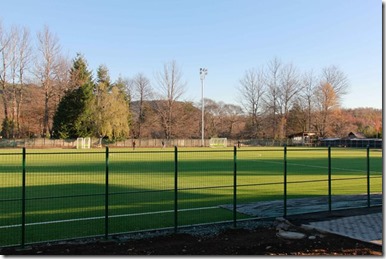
{"x":228,"y":120}
{"x":45,"y":94}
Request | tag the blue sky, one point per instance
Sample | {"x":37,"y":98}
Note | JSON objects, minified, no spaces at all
{"x":227,"y":37}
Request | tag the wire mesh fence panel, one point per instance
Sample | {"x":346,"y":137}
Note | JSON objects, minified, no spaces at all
{"x":259,"y":167}
{"x":205,"y":184}
{"x":349,"y":173}
{"x":259,"y":181}
{"x":350,"y":177}
{"x":307,"y":177}
{"x":376,"y":169}
{"x":141,"y":190}
{"x":64,"y":195}
{"x":10,"y":197}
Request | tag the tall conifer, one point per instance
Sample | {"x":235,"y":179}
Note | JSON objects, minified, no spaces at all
{"x":73,"y":118}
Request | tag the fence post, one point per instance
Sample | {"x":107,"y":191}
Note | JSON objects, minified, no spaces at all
{"x":368,"y":176}
{"x":175,"y":189}
{"x":285,"y":180}
{"x":107,"y":194}
{"x":234,"y":186}
{"x":329,"y":179}
{"x":23,"y":199}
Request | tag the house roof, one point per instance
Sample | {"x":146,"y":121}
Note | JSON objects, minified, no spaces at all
{"x":356,"y":135}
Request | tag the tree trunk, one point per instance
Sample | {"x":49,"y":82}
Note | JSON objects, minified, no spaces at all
{"x":45,"y":118}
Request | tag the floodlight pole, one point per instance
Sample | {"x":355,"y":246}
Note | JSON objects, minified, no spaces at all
{"x":203,"y":73}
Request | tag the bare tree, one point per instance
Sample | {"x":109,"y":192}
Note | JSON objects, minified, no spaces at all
{"x":308,"y":94}
{"x":12,"y":84}
{"x":272,"y":76}
{"x":20,"y":61}
{"x":288,"y":91}
{"x":212,"y":117}
{"x":5,"y":50}
{"x":332,"y":87}
{"x":142,"y":92}
{"x":62,"y":76}
{"x":221,"y":118}
{"x":337,"y":79}
{"x":251,"y":90}
{"x":231,"y":116}
{"x":171,"y":88}
{"x":15,"y":53}
{"x":46,"y":68}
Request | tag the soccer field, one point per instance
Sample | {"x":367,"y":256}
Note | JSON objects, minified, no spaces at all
{"x":78,"y":193}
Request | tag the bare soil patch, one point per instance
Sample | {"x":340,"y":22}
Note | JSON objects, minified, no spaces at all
{"x":259,"y":240}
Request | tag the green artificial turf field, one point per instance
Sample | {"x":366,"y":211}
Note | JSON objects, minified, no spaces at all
{"x":65,"y":194}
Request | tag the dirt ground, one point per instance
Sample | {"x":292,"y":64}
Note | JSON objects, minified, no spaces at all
{"x":264,"y":240}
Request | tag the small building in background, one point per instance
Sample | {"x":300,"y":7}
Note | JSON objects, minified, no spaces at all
{"x":303,"y":139}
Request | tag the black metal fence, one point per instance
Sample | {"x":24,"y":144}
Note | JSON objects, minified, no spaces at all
{"x":47,"y":196}
{"x":95,"y":142}
{"x":356,"y":143}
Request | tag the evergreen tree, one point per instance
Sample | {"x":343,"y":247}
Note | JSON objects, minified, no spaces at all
{"x":8,"y":128}
{"x":79,"y":74}
{"x":73,"y":118}
{"x":124,"y":88}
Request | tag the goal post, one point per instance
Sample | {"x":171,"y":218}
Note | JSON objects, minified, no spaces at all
{"x":79,"y":143}
{"x":82,"y":143}
{"x":87,"y":142}
{"x":218,"y":142}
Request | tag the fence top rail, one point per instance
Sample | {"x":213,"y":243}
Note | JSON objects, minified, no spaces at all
{"x":260,"y":150}
{"x":307,"y":148}
{"x":66,"y":153}
{"x":10,"y":154}
{"x":142,"y":152}
{"x":332,"y":147}
{"x":206,"y":151}
{"x":98,"y":152}
{"x":180,"y":150}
